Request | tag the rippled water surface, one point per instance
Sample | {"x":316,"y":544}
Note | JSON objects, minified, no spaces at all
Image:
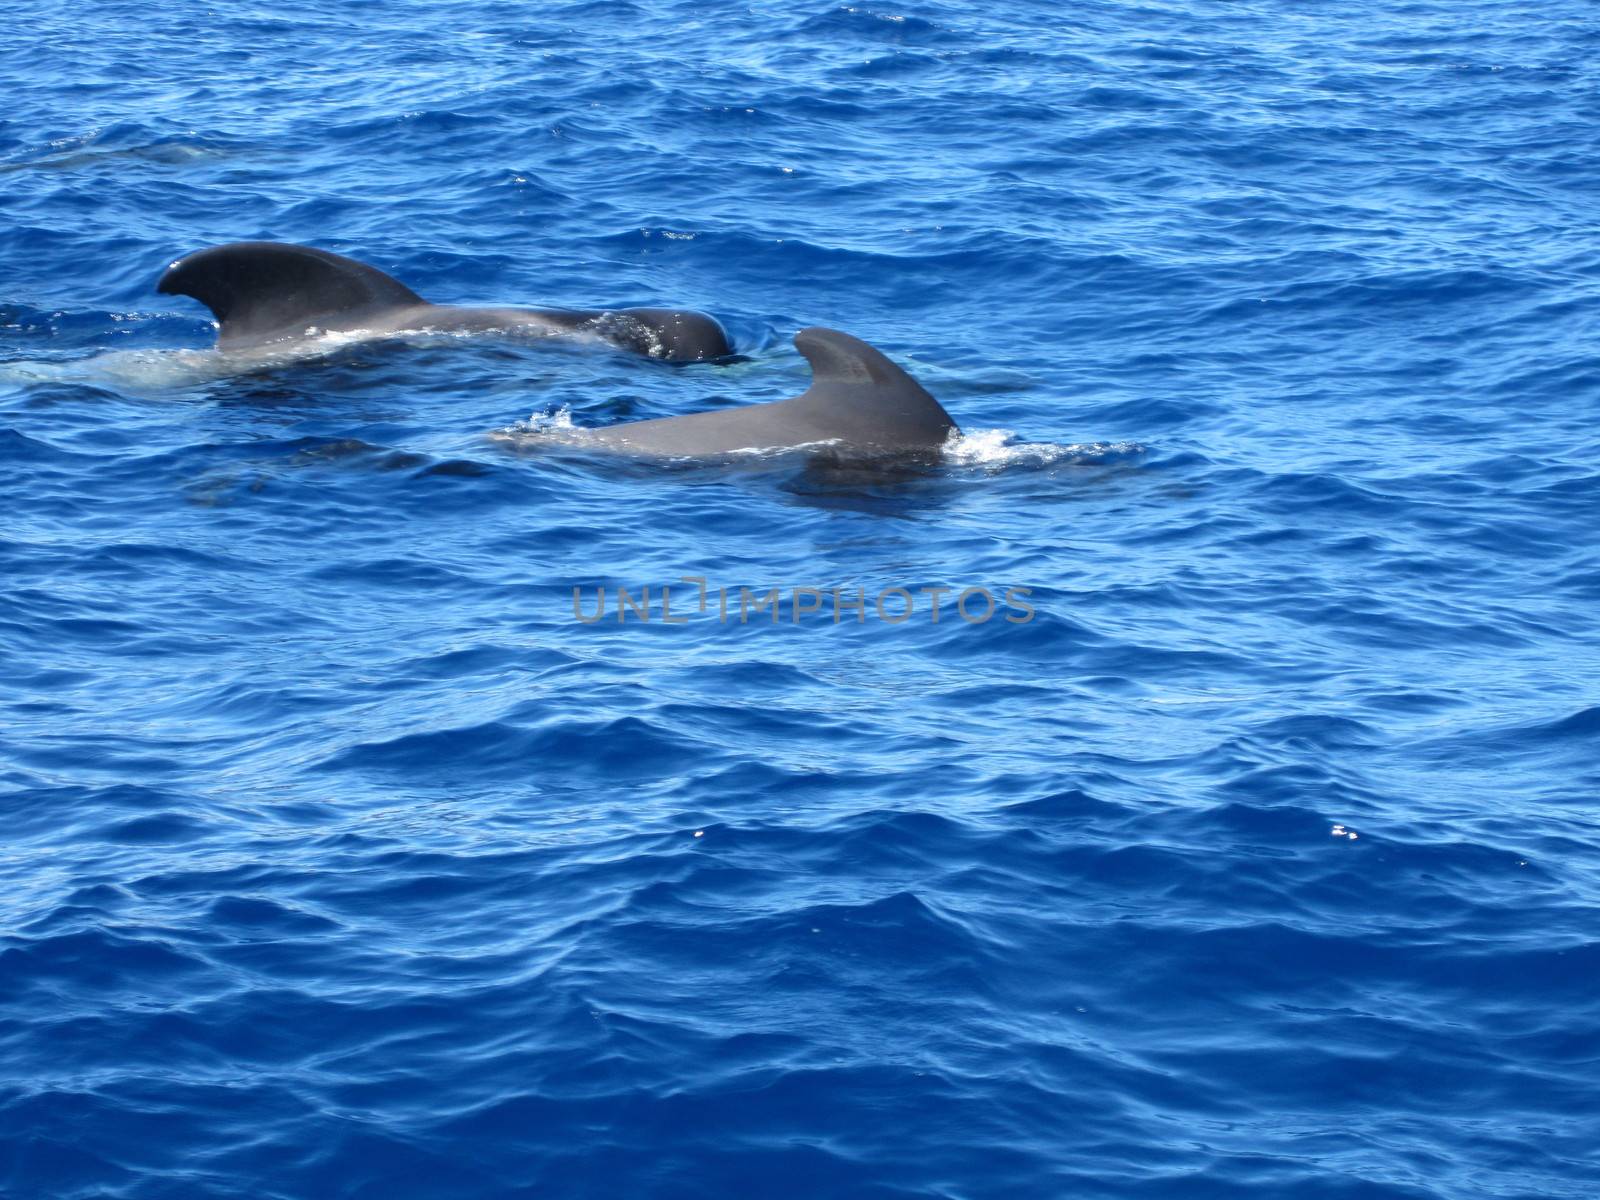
{"x":341,"y":859}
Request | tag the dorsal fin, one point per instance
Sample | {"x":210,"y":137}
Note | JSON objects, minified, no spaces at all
{"x":866,"y":397}
{"x":263,"y":290}
{"x":859,"y":404}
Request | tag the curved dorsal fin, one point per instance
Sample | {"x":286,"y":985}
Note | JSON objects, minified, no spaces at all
{"x":262,"y":290}
{"x":866,"y":397}
{"x":859,"y":403}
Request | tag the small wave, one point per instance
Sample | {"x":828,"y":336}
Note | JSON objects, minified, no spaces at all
{"x":550,"y":430}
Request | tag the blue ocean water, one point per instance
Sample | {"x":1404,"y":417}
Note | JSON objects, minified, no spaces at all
{"x":340,"y":859}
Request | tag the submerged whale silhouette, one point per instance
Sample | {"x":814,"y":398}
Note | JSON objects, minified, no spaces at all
{"x":859,"y":404}
{"x":262,"y":292}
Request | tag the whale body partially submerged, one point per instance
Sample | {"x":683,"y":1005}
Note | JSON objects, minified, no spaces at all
{"x":859,"y":404}
{"x":269,"y":292}
{"x":264,"y":294}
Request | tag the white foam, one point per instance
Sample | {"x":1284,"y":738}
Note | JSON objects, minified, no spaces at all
{"x":559,"y":421}
{"x":994,"y":449}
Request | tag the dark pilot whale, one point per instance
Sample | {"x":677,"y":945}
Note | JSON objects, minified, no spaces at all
{"x":265,"y":292}
{"x":859,"y":403}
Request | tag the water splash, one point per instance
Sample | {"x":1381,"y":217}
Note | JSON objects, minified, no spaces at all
{"x":1000,"y":449}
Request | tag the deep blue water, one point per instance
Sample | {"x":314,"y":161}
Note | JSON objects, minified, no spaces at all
{"x":339,"y":860}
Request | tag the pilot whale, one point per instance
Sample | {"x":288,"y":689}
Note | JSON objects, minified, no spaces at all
{"x":266,"y":292}
{"x":859,"y":404}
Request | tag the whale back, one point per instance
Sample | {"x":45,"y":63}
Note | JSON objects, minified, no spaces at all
{"x":261,"y":291}
{"x":268,"y":291}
